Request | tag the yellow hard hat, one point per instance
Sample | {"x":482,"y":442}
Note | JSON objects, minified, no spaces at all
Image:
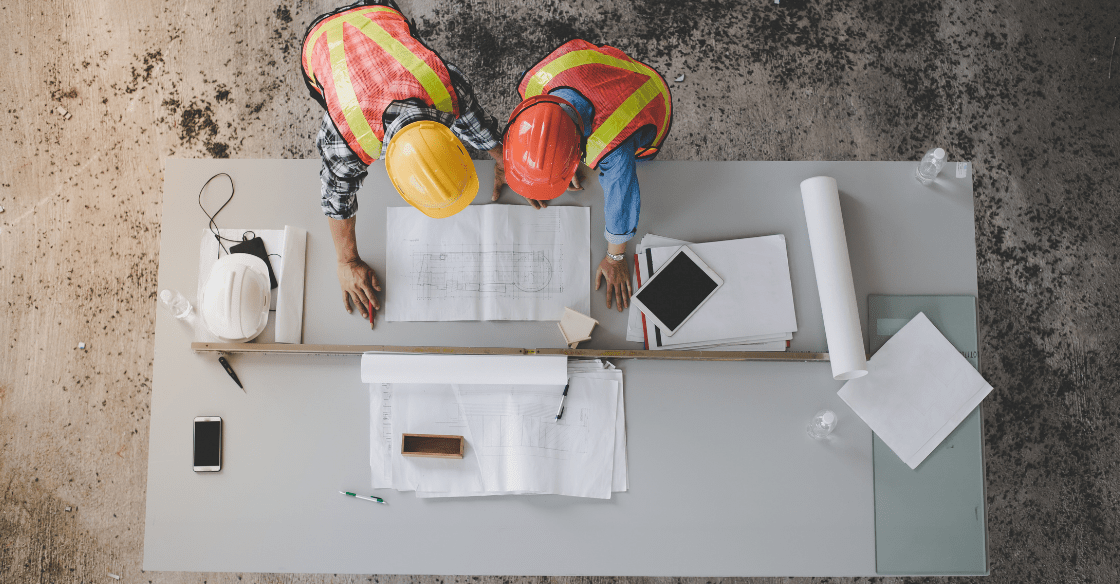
{"x":431,"y":169}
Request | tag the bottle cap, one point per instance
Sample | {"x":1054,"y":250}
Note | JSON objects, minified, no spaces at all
{"x":939,"y":153}
{"x":165,"y":296}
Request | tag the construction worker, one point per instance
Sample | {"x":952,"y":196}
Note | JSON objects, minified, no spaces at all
{"x":385,"y":92}
{"x":595,"y":103}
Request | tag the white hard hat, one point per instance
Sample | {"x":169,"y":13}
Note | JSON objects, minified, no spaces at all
{"x":234,"y":303}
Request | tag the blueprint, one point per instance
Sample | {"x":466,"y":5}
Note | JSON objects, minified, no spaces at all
{"x":522,"y":448}
{"x":488,"y":262}
{"x":514,"y":443}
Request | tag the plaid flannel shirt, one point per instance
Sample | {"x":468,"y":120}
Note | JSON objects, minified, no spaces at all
{"x":343,"y":172}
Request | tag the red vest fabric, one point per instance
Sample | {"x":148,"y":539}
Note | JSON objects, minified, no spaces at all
{"x":361,"y":60}
{"x":627,"y":94}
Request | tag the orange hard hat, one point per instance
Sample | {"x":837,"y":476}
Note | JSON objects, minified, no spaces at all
{"x":542,"y":147}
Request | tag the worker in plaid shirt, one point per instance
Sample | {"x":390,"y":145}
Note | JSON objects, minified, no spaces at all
{"x":379,"y":66}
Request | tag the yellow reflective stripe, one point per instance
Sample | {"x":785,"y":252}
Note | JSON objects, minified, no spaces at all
{"x":621,"y":117}
{"x":419,"y":68}
{"x":348,"y":100}
{"x":664,"y":89}
{"x":309,"y":44}
{"x":575,"y":59}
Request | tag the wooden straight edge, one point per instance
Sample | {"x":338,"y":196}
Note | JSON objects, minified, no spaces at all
{"x":588,"y":353}
{"x":347,"y":349}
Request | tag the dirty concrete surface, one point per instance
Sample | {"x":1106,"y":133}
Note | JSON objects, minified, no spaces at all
{"x":1019,"y":87}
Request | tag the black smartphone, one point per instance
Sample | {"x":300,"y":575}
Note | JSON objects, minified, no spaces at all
{"x":207,"y":444}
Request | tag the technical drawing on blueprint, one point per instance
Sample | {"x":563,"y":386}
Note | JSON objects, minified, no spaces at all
{"x":522,"y":447}
{"x":520,"y":271}
{"x":528,"y":430}
{"x":491,"y":262}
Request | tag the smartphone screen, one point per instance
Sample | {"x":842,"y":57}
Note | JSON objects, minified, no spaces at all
{"x":208,"y":444}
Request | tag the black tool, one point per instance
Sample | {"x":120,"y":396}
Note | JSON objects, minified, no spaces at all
{"x":225,"y":365}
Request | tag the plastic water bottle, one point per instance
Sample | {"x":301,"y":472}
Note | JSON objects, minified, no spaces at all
{"x":175,"y":302}
{"x":823,"y":423}
{"x":931,"y":164}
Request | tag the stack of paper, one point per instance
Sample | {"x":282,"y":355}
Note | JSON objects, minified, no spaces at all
{"x":505,"y":408}
{"x":917,"y":390}
{"x":753,"y":311}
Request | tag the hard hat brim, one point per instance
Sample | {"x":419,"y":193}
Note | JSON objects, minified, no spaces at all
{"x":460,"y":204}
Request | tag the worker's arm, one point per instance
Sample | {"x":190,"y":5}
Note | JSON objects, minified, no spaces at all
{"x":341,"y":176}
{"x":357,"y":279}
{"x":499,"y":171}
{"x":475,"y":128}
{"x":622,"y":205}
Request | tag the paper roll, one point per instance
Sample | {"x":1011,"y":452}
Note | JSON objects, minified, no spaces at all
{"x":289,"y":302}
{"x":834,"y":277}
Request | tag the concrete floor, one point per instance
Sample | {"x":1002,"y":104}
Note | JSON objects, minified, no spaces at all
{"x":1021,"y":88}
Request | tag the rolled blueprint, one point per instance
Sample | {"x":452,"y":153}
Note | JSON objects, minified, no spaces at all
{"x":834,"y":277}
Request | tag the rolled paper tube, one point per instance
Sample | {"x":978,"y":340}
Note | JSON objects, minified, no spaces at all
{"x":834,"y":277}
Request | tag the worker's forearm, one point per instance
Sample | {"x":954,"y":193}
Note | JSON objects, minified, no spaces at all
{"x":616,"y":248}
{"x":345,"y":241}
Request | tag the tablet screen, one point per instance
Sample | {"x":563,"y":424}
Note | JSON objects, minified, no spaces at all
{"x":676,"y":290}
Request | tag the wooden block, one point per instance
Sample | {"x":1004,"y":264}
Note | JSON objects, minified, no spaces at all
{"x":433,"y":445}
{"x":576,"y":327}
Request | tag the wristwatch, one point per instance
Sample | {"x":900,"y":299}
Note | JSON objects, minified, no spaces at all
{"x":616,"y":256}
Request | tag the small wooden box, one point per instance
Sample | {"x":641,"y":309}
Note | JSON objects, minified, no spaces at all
{"x":433,"y":445}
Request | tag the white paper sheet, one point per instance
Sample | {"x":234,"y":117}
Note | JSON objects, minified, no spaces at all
{"x":431,"y":408}
{"x":381,"y":435}
{"x":917,"y":390}
{"x":523,"y":448}
{"x":755,"y":303}
{"x":488,"y":262}
{"x":397,"y":368}
{"x":598,"y":369}
{"x":834,"y":277}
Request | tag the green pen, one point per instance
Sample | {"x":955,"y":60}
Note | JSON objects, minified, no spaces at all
{"x":374,"y":499}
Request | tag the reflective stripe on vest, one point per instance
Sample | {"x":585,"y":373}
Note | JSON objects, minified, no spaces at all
{"x":348,"y":102}
{"x":621,"y":117}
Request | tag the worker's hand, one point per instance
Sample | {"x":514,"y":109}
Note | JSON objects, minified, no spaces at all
{"x":499,"y":179}
{"x":358,"y":284}
{"x":618,"y":282}
{"x":537,"y":204}
{"x":577,"y":180}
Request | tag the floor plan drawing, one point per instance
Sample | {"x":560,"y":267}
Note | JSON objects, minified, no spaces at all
{"x":488,"y":262}
{"x":528,"y":430}
{"x":512,"y":272}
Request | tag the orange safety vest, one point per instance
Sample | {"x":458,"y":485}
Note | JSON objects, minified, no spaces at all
{"x":361,"y":60}
{"x":627,"y":94}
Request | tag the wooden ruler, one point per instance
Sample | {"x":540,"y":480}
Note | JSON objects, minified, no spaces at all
{"x":588,"y":353}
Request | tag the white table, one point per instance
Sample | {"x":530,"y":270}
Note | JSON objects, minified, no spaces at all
{"x":723,"y":479}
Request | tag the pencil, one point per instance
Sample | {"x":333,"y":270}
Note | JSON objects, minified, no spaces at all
{"x":370,"y":315}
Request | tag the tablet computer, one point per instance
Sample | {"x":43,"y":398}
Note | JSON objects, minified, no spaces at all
{"x":677,"y":290}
